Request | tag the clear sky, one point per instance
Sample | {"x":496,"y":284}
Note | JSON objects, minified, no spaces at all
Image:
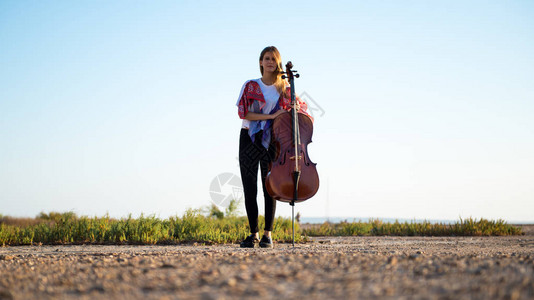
{"x":424,"y":109}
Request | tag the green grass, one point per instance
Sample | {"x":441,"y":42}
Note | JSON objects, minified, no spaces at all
{"x":193,"y":226}
{"x":467,"y":227}
{"x":211,"y":226}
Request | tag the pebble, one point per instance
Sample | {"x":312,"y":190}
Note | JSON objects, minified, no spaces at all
{"x":231,"y":282}
{"x":6,"y":257}
{"x":168,"y":266}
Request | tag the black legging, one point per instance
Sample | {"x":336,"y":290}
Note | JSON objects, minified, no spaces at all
{"x":249,"y":156}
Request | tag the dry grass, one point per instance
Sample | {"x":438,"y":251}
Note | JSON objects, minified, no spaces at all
{"x":464,"y":227}
{"x":210,"y":225}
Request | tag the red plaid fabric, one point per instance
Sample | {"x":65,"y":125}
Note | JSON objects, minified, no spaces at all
{"x":252,"y":92}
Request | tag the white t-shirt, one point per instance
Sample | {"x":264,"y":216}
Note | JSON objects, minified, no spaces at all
{"x":270,"y":94}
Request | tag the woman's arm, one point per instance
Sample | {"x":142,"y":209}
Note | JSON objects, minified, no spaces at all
{"x":256,"y":117}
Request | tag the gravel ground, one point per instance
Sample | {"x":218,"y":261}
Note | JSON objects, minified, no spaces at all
{"x":328,"y":267}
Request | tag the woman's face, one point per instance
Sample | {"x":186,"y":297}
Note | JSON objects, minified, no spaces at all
{"x":268,"y":62}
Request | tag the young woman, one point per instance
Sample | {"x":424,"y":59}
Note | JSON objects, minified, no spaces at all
{"x":260,"y":101}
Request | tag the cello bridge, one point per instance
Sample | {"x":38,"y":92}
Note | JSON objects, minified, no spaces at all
{"x":293,"y":157}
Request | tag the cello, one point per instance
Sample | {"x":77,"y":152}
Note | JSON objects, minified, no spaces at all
{"x":292,"y":176}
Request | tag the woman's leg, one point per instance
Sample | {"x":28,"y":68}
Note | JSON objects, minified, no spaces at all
{"x":270,"y":203}
{"x":249,"y":156}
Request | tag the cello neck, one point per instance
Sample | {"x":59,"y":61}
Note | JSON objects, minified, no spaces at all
{"x":295,"y":121}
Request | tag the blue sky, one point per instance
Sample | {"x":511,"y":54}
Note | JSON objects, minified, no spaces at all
{"x":129,"y":106}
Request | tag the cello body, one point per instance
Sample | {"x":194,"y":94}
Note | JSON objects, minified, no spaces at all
{"x":280,"y":182}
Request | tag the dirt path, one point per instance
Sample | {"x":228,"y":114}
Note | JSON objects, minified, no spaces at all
{"x":340,"y":267}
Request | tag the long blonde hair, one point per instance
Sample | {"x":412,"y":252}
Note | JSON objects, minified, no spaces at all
{"x":279,"y":83}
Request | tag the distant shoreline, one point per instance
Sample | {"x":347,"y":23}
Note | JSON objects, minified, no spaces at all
{"x":321,"y":220}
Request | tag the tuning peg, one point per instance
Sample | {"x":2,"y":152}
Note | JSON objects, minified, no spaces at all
{"x":297,"y":75}
{"x":284,"y":76}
